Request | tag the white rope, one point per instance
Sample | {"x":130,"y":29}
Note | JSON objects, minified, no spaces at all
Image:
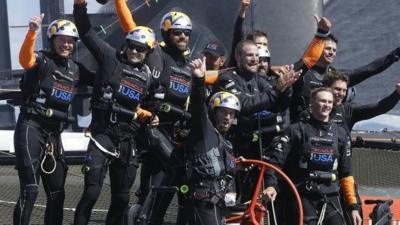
{"x":42,"y":164}
{"x":273,"y":212}
{"x":99,"y":146}
{"x":322,"y":214}
{"x":49,"y":151}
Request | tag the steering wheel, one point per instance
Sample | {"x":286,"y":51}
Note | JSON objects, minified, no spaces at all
{"x":253,"y":214}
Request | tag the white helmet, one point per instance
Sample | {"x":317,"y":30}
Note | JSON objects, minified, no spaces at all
{"x":225,"y":100}
{"x":263,"y":52}
{"x":175,"y":20}
{"x":142,"y":35}
{"x":62,"y":27}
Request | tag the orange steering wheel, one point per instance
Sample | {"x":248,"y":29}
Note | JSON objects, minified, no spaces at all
{"x":253,"y":214}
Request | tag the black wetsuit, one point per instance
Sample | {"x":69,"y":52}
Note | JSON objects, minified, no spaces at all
{"x":169,"y":98}
{"x":258,"y":99}
{"x":238,"y":35}
{"x":119,"y":89}
{"x":50,"y":85}
{"x":309,"y":151}
{"x":348,"y":114}
{"x":210,"y":163}
{"x":313,"y":78}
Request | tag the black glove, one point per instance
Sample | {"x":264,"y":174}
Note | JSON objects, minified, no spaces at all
{"x":396,"y":53}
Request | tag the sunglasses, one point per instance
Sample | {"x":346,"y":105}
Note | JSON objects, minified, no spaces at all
{"x":180,"y":32}
{"x":138,"y":48}
{"x":263,"y":59}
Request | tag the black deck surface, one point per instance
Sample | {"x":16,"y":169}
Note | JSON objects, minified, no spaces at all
{"x":376,"y":171}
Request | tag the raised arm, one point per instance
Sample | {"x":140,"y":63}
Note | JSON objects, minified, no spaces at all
{"x":238,"y":33}
{"x":317,"y":45}
{"x":375,"y":67}
{"x":369,"y":111}
{"x":198,"y":94}
{"x":124,"y":16}
{"x":27,"y":56}
{"x":100,"y":49}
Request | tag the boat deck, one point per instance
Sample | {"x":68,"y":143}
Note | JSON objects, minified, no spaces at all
{"x":377,"y":173}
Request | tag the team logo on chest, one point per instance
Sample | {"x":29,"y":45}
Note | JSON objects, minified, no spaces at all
{"x":130,"y":90}
{"x":179,"y":85}
{"x":62,"y":92}
{"x":321,"y":150}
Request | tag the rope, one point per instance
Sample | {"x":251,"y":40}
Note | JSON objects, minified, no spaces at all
{"x":322,"y":214}
{"x":100,"y":147}
{"x":49,"y":152}
{"x":273,"y":212}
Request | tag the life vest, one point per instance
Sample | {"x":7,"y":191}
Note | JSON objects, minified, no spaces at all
{"x":50,"y":85}
{"x":124,"y":90}
{"x":174,"y":87}
{"x":211,"y":174}
{"x":320,"y":153}
{"x":216,"y":162}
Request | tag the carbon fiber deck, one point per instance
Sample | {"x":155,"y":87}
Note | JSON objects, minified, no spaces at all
{"x":376,"y":171}
{"x":9,"y":191}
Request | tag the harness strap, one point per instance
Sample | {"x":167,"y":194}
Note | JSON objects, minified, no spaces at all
{"x":99,"y":146}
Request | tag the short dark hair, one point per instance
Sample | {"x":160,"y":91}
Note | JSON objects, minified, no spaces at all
{"x":334,"y":75}
{"x":331,"y":37}
{"x":255,"y":34}
{"x":241,"y":44}
{"x":315,"y":91}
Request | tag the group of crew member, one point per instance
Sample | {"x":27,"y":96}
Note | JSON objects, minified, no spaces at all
{"x":185,"y":121}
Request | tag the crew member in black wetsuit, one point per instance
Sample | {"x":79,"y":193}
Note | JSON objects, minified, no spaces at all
{"x":169,"y":99}
{"x":122,"y":82}
{"x":313,"y":73}
{"x":210,"y":163}
{"x":239,"y":33}
{"x":347,"y":114}
{"x":255,"y":95}
{"x":48,"y":87}
{"x":316,"y":155}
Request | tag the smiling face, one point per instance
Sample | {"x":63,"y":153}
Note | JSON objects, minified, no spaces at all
{"x":63,"y":45}
{"x":329,"y":53}
{"x":321,"y":105}
{"x":179,"y":38}
{"x":339,"y":89}
{"x":248,"y":58}
{"x":136,"y":53}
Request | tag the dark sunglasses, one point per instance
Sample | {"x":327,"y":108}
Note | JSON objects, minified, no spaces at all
{"x":263,"y":59}
{"x":139,"y":48}
{"x":180,"y":32}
